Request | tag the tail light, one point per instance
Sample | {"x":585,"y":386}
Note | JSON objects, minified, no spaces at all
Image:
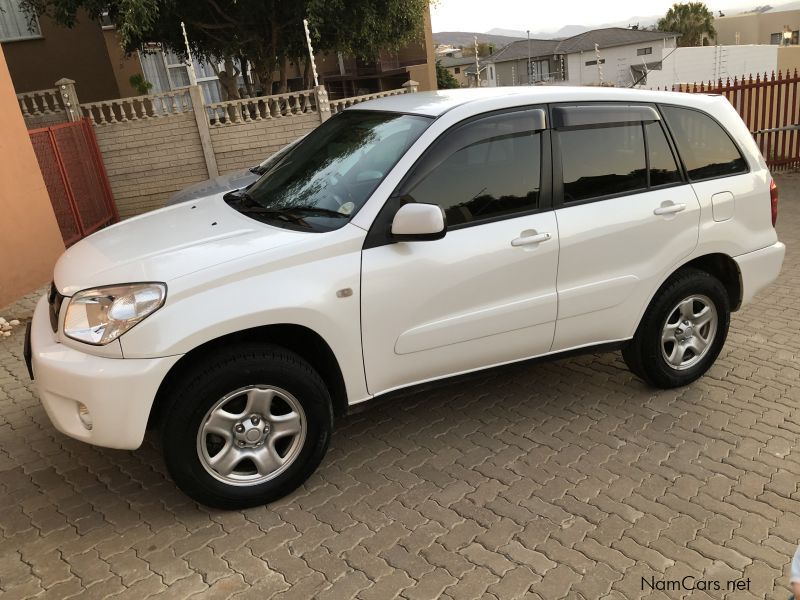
{"x":773,"y":201}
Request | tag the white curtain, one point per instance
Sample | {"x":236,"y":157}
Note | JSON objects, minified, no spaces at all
{"x":155,"y":71}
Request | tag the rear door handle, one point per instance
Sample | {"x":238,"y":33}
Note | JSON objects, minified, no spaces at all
{"x":668,"y":209}
{"x":536,"y":238}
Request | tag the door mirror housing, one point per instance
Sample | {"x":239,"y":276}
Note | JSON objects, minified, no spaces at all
{"x":419,"y":222}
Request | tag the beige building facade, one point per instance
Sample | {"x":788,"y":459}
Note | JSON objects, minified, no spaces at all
{"x":759,"y":28}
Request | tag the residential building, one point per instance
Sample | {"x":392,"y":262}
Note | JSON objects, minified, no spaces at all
{"x":446,"y":50}
{"x":612,"y":55}
{"x":779,"y":26}
{"x":41,"y":52}
{"x":347,"y":76}
{"x":463,"y":69}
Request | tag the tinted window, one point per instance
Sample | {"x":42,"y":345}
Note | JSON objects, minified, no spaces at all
{"x":484,"y":169}
{"x":602,"y":161}
{"x":706,"y":150}
{"x":663,"y":168}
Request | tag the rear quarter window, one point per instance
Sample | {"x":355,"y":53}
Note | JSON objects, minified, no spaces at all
{"x":705,"y":147}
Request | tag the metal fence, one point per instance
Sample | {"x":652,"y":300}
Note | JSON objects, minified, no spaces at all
{"x":770,"y":106}
{"x":75,"y":178}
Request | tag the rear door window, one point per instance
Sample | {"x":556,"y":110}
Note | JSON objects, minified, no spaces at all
{"x":663,"y":166}
{"x":706,"y":149}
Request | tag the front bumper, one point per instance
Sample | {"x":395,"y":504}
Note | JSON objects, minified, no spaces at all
{"x":760,"y":268}
{"x":118,"y":393}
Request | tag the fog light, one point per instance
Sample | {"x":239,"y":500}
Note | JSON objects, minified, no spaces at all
{"x":85,"y":417}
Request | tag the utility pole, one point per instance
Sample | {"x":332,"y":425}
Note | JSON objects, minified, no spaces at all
{"x":530,"y":81}
{"x":477,"y":69}
{"x":189,"y":61}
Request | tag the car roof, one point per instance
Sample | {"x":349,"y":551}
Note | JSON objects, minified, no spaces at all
{"x":434,"y":104}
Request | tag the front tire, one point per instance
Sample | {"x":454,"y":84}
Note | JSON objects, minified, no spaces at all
{"x":246,"y":426}
{"x":682,"y":331}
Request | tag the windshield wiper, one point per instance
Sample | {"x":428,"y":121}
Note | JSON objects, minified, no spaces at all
{"x":316,"y":210}
{"x":273,"y":214}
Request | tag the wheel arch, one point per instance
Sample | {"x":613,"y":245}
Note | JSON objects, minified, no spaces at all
{"x":720,"y":266}
{"x":302,"y":340}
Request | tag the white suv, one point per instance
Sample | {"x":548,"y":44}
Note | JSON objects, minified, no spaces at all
{"x":407,"y":240}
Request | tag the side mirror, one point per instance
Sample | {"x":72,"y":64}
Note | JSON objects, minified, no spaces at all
{"x":419,"y":222}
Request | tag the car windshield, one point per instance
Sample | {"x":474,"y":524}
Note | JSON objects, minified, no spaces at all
{"x":322,"y":181}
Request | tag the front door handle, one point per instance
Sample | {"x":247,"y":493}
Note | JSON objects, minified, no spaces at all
{"x":668,"y":208}
{"x":531,"y":238}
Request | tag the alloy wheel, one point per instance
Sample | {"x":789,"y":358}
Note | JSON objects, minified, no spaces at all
{"x":251,"y":435}
{"x":689,"y":331}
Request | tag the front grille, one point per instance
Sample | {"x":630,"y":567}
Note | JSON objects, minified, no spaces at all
{"x":54,"y":300}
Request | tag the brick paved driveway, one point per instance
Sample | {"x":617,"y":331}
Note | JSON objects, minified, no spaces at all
{"x":568,"y":479}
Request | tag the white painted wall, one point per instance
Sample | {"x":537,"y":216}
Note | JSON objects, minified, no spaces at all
{"x":616,"y":69}
{"x":709,"y":63}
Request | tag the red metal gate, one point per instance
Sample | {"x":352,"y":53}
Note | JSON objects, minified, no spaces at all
{"x":76,"y":179}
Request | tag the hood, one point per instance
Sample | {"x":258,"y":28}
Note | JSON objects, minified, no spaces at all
{"x":214,"y":186}
{"x":165,"y":244}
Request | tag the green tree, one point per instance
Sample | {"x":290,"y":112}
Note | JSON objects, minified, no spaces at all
{"x":693,"y":20}
{"x":444,"y":78}
{"x":140,"y":84}
{"x":267,"y":33}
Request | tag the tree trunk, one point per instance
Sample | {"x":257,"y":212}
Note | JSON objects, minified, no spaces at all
{"x":264,"y":70}
{"x":283,"y":65}
{"x":308,"y":75}
{"x":229,"y":80}
{"x":248,"y":84}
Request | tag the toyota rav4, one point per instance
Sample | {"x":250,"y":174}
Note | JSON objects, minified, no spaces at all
{"x":404,"y":241}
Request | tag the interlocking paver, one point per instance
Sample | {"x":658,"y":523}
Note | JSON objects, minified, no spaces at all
{"x":568,"y":479}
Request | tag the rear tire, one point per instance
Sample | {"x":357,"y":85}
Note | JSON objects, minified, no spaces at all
{"x":246,"y":426}
{"x":682,"y":331}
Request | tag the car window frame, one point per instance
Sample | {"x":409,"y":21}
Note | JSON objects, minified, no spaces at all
{"x":379,"y":233}
{"x":671,"y":135}
{"x":558,"y":174}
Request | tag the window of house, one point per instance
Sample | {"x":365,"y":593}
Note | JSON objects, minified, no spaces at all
{"x":602,"y":161}
{"x":776,"y":39}
{"x":589,"y":63}
{"x":706,"y":149}
{"x":15,"y":23}
{"x":457,"y":70}
{"x":168,"y":71}
{"x":643,"y":51}
{"x":540,"y":70}
{"x":491,"y":72}
{"x":484,"y":169}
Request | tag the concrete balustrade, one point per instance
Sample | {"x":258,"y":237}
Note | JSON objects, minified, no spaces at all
{"x":157,"y":144}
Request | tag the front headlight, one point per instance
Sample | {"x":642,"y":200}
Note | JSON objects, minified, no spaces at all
{"x":101,"y":315}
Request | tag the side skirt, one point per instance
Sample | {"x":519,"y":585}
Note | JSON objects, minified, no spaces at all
{"x":419,"y":388}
